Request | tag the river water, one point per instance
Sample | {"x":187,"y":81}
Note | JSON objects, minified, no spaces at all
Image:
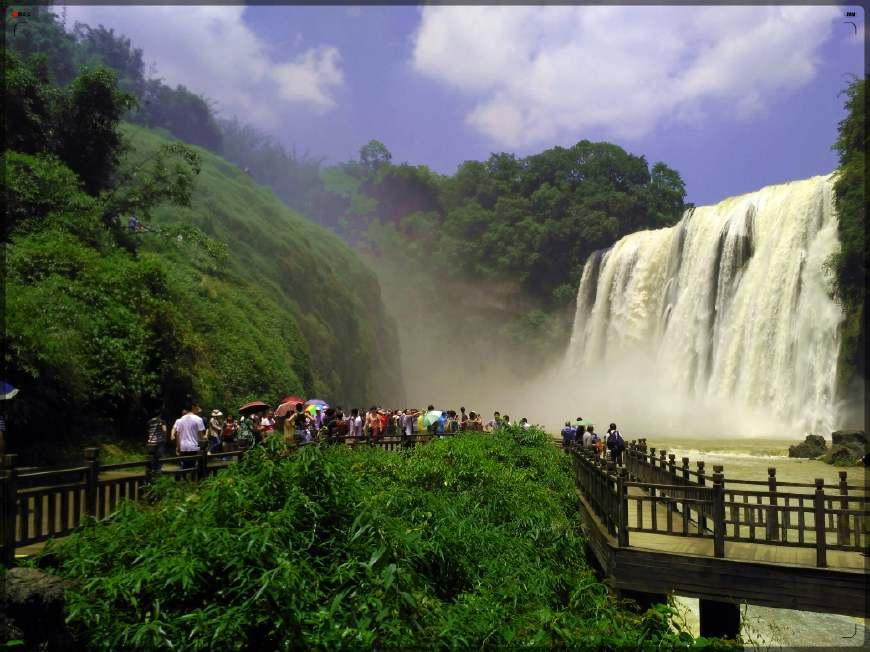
{"x":749,"y":459}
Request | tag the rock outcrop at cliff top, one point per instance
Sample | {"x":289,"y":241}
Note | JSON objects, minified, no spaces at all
{"x":813,"y":447}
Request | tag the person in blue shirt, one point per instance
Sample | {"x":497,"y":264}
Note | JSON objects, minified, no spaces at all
{"x":441,"y":424}
{"x":569,"y":435}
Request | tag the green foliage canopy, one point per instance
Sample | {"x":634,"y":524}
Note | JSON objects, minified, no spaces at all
{"x":849,"y":265}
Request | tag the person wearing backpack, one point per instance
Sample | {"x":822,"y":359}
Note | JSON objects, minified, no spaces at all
{"x":615,"y":444}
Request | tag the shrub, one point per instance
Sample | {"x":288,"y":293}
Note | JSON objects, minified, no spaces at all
{"x":470,"y":541}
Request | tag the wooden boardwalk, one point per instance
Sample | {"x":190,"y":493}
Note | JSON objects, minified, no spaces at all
{"x":656,"y":528}
{"x":763,"y":551}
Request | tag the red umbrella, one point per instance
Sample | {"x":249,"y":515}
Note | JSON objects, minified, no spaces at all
{"x":292,"y":399}
{"x":256,"y":406}
{"x":286,"y":408}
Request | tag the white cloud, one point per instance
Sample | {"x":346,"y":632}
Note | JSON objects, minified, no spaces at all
{"x":311,"y":77}
{"x":540,"y":72}
{"x":212,"y":51}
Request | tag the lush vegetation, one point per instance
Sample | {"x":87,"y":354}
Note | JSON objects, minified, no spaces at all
{"x":63,"y":53}
{"x":470,"y":541}
{"x":518,"y":228}
{"x":228,"y":296}
{"x":850,"y":264}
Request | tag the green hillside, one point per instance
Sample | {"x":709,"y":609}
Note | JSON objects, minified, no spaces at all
{"x":289,"y":298}
{"x":229,"y":297}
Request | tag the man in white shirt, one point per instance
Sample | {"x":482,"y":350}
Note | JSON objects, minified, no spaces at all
{"x":587,"y":437}
{"x":189,"y":428}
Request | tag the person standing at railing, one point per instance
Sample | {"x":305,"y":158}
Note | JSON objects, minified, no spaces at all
{"x":615,"y":444}
{"x":452,"y":422}
{"x":495,"y":423}
{"x":463,"y":418}
{"x":190,"y":428}
{"x":569,"y":435}
{"x":228,"y":432}
{"x":156,"y":436}
{"x":441,"y":424}
{"x":355,"y":424}
{"x":588,"y":436}
{"x":173,"y":435}
{"x":215,"y":428}
{"x":296,"y":424}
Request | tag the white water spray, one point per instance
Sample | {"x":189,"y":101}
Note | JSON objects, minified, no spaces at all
{"x":724,"y":321}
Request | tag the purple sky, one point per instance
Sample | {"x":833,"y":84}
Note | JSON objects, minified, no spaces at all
{"x":734,"y":98}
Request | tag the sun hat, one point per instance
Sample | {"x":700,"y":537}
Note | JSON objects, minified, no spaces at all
{"x":217,"y":413}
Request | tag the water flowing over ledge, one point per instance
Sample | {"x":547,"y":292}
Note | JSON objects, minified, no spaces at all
{"x":726,"y":314}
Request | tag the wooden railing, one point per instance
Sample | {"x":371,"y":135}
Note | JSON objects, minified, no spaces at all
{"x":678,"y":501}
{"x":38,"y":504}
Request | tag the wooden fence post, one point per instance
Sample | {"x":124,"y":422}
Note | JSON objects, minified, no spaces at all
{"x":650,"y":472}
{"x":662,"y":476}
{"x":702,"y":482}
{"x":622,"y":506}
{"x":202,"y":461}
{"x":9,"y":508}
{"x":92,"y":475}
{"x":686,"y":480}
{"x":672,"y":479}
{"x":819,"y":518}
{"x":718,"y":512}
{"x":772,"y":515}
{"x":843,"y":519}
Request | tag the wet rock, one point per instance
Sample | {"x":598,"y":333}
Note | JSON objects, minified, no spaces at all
{"x":847,"y":447}
{"x":32,"y":609}
{"x":814,"y":446}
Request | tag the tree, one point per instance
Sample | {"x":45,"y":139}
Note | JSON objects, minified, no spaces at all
{"x":90,"y":111}
{"x":373,"y":155}
{"x":30,"y":107}
{"x":849,"y":265}
{"x":100,"y":46}
{"x":77,"y":123}
{"x":404,"y":189}
{"x":44,"y":34}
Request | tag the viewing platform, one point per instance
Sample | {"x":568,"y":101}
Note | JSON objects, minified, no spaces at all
{"x":656,"y":527}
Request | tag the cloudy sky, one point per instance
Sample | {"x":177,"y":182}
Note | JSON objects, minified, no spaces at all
{"x":734,"y":98}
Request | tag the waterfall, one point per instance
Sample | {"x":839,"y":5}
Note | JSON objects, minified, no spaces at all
{"x":729,"y":308}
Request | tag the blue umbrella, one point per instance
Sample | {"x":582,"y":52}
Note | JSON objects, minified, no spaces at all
{"x":7,"y":391}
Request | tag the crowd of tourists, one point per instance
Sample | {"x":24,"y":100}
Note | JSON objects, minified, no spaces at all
{"x":582,"y":434}
{"x":309,"y":423}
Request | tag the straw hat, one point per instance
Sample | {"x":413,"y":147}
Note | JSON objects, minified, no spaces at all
{"x":217,"y":413}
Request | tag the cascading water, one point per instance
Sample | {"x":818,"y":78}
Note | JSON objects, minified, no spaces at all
{"x":729,"y":310}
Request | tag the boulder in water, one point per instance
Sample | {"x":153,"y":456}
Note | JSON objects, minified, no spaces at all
{"x":847,"y":447}
{"x":814,"y":446}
